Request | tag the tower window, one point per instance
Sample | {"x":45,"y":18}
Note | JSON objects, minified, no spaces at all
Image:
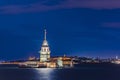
{"x":44,"y":49}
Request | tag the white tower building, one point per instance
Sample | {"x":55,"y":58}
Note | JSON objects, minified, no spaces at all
{"x":45,"y":50}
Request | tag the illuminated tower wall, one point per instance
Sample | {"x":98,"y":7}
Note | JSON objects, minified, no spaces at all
{"x":45,"y":50}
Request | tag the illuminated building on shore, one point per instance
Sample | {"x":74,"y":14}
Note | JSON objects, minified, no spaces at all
{"x":45,"y":60}
{"x":45,"y":51}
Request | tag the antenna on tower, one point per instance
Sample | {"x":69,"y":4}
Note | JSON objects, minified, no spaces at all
{"x":45,"y":34}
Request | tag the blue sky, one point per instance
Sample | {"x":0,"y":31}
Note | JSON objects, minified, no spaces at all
{"x":74,"y":27}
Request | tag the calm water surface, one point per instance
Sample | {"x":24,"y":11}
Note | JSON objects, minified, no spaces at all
{"x":84,"y":72}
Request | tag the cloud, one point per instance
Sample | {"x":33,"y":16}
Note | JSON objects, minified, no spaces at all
{"x":111,"y":24}
{"x":59,"y":4}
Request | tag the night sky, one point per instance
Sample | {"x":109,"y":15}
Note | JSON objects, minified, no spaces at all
{"x":74,"y":27}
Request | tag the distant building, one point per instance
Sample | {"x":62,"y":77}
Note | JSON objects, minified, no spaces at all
{"x":116,"y":57}
{"x":31,"y":58}
{"x":45,"y":50}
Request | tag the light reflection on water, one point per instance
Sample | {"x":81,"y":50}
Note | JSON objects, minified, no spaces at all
{"x":44,"y":73}
{"x":84,"y":72}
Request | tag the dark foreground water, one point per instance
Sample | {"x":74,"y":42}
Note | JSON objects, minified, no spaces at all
{"x":83,"y":72}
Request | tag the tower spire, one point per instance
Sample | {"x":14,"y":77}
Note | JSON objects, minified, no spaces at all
{"x":45,"y":34}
